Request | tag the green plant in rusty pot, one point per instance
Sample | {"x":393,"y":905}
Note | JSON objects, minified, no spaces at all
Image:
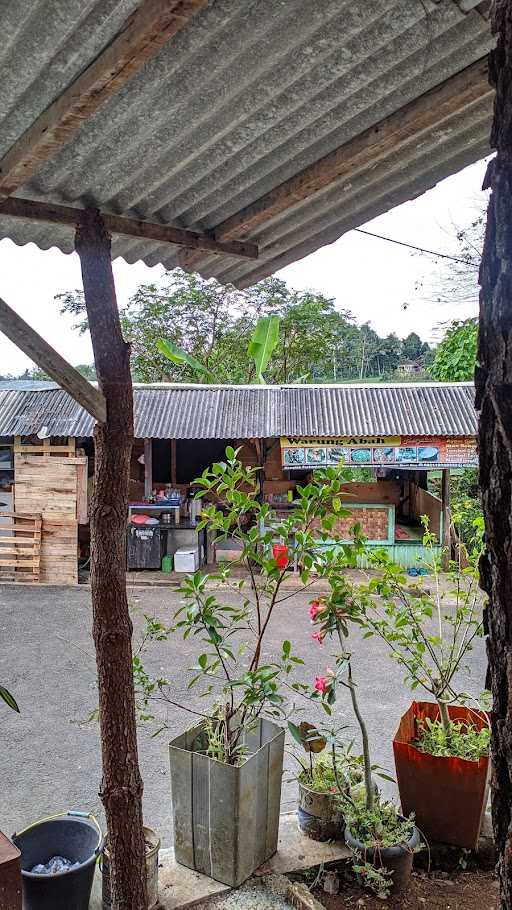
{"x":441,"y":745}
{"x":232,"y":757}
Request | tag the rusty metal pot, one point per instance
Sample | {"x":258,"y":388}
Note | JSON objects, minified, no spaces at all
{"x":447,"y":795}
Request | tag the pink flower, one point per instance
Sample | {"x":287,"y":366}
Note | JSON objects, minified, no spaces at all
{"x":317,"y":636}
{"x":314,"y":610}
{"x":321,"y":684}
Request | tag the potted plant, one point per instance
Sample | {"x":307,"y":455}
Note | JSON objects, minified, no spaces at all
{"x":226,"y":769}
{"x":441,"y":748}
{"x":381,"y":839}
{"x":331,"y":770}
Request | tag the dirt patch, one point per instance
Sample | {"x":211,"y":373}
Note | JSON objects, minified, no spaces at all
{"x":463,"y":891}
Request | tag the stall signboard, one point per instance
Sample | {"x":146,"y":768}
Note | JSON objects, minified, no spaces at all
{"x":405,"y":452}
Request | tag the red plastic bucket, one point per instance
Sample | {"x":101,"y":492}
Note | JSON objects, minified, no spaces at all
{"x":280,"y":554}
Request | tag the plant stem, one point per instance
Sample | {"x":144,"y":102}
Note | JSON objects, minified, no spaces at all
{"x":362,"y":726}
{"x":445,"y":717}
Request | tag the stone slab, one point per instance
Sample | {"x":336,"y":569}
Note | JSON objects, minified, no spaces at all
{"x":181,"y":887}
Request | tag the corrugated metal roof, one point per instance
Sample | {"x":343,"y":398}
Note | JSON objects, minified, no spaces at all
{"x":245,"y":96}
{"x":232,"y":412}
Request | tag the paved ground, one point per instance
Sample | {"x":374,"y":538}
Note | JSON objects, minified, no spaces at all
{"x":49,"y":756}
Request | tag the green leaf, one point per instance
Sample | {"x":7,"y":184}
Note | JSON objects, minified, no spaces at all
{"x":286,"y":649}
{"x":263,"y":343}
{"x":177,"y":355}
{"x":9,"y":699}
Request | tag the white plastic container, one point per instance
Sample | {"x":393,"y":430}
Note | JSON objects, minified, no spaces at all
{"x":186,"y":559}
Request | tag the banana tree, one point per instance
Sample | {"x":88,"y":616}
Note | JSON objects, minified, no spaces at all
{"x":261,"y":347}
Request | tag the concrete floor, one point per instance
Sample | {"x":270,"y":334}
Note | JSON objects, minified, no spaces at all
{"x":50,"y":757}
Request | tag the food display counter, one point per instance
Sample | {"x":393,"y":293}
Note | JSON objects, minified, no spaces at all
{"x":157,"y":530}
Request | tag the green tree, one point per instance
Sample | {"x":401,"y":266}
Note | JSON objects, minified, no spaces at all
{"x":413,"y":347}
{"x":456,"y":355}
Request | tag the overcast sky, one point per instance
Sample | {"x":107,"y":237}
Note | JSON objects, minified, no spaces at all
{"x":369,"y":277}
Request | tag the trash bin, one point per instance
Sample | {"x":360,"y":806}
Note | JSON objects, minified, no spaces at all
{"x":73,"y":835}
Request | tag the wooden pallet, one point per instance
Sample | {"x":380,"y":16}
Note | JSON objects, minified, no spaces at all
{"x":46,"y":448}
{"x":20,"y":547}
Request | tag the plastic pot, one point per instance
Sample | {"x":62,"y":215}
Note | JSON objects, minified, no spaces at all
{"x":74,"y":835}
{"x":318,"y":815}
{"x":152,"y":848}
{"x":447,"y":795}
{"x":397,"y":859}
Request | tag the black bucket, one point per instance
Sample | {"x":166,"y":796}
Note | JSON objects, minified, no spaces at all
{"x":75,"y":836}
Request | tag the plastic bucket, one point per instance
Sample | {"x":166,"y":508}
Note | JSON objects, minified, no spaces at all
{"x":152,"y":847}
{"x":75,"y":836}
{"x":280,"y":554}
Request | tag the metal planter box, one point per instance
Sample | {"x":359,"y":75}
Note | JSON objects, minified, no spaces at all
{"x":226,"y":819}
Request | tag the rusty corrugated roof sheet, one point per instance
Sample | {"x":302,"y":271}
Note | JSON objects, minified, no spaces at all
{"x":243,"y":412}
{"x":245,"y":96}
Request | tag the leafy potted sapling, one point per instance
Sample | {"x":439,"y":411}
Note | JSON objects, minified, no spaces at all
{"x":329,"y":769}
{"x":441,"y":748}
{"x":226,"y":769}
{"x":382,"y":840}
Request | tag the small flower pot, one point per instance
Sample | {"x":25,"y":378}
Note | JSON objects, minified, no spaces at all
{"x":397,"y":859}
{"x":152,"y":844}
{"x":226,"y":817}
{"x":447,"y":795}
{"x":319,"y":815}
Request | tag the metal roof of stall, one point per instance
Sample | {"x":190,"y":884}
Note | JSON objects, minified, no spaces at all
{"x":168,"y":411}
{"x":242,"y":99}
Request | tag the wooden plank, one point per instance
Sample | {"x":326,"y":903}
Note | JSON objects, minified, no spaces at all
{"x":35,"y":347}
{"x":82,"y":511}
{"x":144,"y":33}
{"x":129,"y":227}
{"x":366,"y":150}
{"x":173,"y":462}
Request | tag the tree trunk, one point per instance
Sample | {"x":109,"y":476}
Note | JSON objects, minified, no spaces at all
{"x":494,"y":401}
{"x":121,"y":790}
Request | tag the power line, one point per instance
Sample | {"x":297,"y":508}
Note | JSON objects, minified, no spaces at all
{"x":419,"y":249}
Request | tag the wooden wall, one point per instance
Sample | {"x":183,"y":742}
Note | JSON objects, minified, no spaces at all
{"x":57,"y":488}
{"x":424,"y":503}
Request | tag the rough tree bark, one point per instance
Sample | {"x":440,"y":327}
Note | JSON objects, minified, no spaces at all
{"x":494,"y":400}
{"x":121,"y":790}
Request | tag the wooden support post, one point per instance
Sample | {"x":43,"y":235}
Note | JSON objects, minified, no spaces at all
{"x":447,"y":517}
{"x":173,"y":462}
{"x":493,"y":381}
{"x":148,"y":467}
{"x":121,"y":790}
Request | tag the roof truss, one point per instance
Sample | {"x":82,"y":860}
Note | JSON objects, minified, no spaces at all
{"x":32,"y":210}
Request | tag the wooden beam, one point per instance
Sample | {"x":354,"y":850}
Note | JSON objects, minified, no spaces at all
{"x":35,"y":347}
{"x":144,"y":33}
{"x":173,"y":462}
{"x":366,"y":150}
{"x":148,"y":467}
{"x":445,"y":500}
{"x":130,"y":227}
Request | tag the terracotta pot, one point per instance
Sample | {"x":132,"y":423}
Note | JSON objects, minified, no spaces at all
{"x":397,"y":859}
{"x":318,"y":815}
{"x":447,"y":795}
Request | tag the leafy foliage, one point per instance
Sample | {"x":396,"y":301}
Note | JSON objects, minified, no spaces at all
{"x":462,"y":740}
{"x":214,"y":325}
{"x":429,"y":634}
{"x":243,"y":686}
{"x":456,"y":354}
{"x":9,"y":699}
